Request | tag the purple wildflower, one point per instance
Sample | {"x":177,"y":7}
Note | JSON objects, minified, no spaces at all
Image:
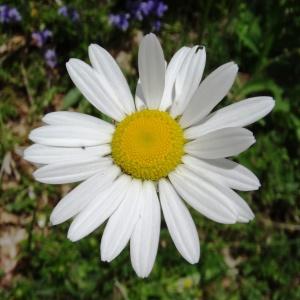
{"x":50,"y":58}
{"x":14,"y":15}
{"x":3,"y":13}
{"x":156,"y":25}
{"x":63,"y":11}
{"x":161,"y":8}
{"x":37,"y":39}
{"x":120,"y":20}
{"x":68,"y":12}
{"x":9,"y":14}
{"x":138,"y":14}
{"x":146,"y":7}
{"x":141,"y":9}
{"x":40,"y":38}
{"x":47,"y":33}
{"x":153,"y":10}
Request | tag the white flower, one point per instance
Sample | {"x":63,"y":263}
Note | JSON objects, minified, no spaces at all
{"x":166,"y":147}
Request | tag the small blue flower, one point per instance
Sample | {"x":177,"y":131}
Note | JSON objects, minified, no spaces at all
{"x":70,"y":13}
{"x":14,"y":15}
{"x":9,"y":14}
{"x":3,"y":13}
{"x":141,"y":11}
{"x":120,"y":20}
{"x":63,"y":11}
{"x":161,"y":8}
{"x":40,"y":38}
{"x":50,"y":58}
{"x":146,"y":7}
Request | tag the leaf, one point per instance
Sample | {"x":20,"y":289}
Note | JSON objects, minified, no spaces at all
{"x":71,"y":98}
{"x":260,"y":85}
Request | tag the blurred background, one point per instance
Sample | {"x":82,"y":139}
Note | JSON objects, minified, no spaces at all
{"x":260,"y":260}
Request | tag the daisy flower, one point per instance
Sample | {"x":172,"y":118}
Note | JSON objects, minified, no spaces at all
{"x":166,"y":148}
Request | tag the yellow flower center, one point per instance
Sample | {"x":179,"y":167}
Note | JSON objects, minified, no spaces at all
{"x":148,"y":144}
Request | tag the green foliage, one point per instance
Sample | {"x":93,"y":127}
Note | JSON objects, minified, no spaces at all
{"x":260,"y":260}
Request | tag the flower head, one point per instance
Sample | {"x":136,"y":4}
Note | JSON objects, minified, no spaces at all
{"x":121,"y":21}
{"x":153,"y":10}
{"x":141,"y":9}
{"x":63,"y":11}
{"x":9,"y":14}
{"x":161,"y":8}
{"x":166,"y":148}
{"x":50,"y":58}
{"x":40,"y":38}
{"x":145,"y":7}
{"x":69,"y":12}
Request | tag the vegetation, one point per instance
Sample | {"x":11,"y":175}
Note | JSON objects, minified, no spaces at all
{"x":260,"y":260}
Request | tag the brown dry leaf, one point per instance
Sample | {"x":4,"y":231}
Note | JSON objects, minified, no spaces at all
{"x":19,"y":129}
{"x":19,"y":150}
{"x":137,"y":37}
{"x":230,"y":261}
{"x":13,"y":44}
{"x":9,"y":167}
{"x":124,"y":60}
{"x":65,"y":189}
{"x":243,"y":78}
{"x":9,"y":247}
{"x":7,"y":218}
{"x":193,"y":36}
{"x":120,"y":291}
{"x":7,"y":184}
{"x":57,"y":102}
{"x":6,"y":164}
{"x":23,"y":108}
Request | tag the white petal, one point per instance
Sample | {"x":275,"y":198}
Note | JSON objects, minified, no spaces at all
{"x":203,"y":196}
{"x":41,"y":154}
{"x":89,"y":82}
{"x":140,"y":101}
{"x":145,"y":237}
{"x":69,"y":136}
{"x":180,"y":223}
{"x":151,"y":65}
{"x":210,"y":92}
{"x":171,"y":74}
{"x":245,"y":213}
{"x":221,"y":143}
{"x":99,"y":209}
{"x":75,"y":201}
{"x":229,"y":198}
{"x":76,"y":118}
{"x":188,"y":79}
{"x":113,"y":77}
{"x":238,"y":114}
{"x":223,"y":171}
{"x":215,"y":201}
{"x":121,"y":224}
{"x":67,"y":172}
